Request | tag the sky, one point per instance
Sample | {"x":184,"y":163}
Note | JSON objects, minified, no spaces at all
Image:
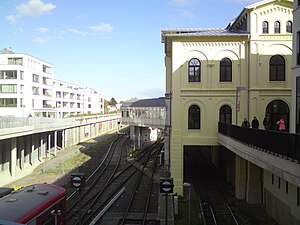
{"x":113,"y":46}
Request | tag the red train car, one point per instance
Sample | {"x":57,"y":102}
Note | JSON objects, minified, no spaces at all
{"x":39,"y":204}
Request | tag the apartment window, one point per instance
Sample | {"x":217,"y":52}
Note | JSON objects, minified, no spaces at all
{"x":8,"y":88}
{"x":289,"y":27}
{"x":277,"y":68}
{"x":225,"y":70}
{"x":194,"y":70}
{"x":35,"y":90}
{"x":194,"y":117}
{"x":277,"y":27}
{"x":278,"y":182}
{"x":225,"y":114}
{"x":15,"y":61}
{"x":265,"y":27}
{"x":272,"y":178}
{"x":8,"y":74}
{"x":298,"y":2}
{"x":8,"y":102}
{"x":286,"y":187}
{"x":35,"y":78}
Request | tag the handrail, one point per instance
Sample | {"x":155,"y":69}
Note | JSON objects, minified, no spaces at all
{"x":278,"y":143}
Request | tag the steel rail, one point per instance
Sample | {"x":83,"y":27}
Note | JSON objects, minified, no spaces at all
{"x":98,"y":176}
{"x":107,"y":185}
{"x":153,"y":151}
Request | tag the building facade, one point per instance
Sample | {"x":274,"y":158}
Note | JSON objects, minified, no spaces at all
{"x":227,"y":75}
{"x":28,"y":88}
{"x":296,"y":67}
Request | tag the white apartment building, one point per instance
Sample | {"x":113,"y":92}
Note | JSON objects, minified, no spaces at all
{"x":28,"y":88}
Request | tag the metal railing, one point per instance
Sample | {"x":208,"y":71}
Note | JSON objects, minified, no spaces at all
{"x":14,"y":122}
{"x":274,"y":142}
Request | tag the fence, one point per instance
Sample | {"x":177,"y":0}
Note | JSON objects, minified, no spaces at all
{"x":279,"y":143}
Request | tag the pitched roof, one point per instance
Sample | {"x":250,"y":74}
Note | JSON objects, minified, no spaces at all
{"x":200,"y":32}
{"x":260,"y":3}
{"x":249,"y":8}
{"x":153,"y":102}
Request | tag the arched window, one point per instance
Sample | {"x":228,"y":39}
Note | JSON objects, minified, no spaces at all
{"x":194,"y":117}
{"x":277,"y":68}
{"x":225,"y":70}
{"x":289,"y":27}
{"x":194,"y":70}
{"x":225,"y":115}
{"x":277,"y":27}
{"x":278,"y":109}
{"x":265,"y":27}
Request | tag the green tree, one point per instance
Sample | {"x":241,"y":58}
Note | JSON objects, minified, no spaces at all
{"x":113,"y":101}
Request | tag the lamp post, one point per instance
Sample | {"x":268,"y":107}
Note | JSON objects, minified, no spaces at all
{"x":237,"y":102}
{"x":188,"y":185}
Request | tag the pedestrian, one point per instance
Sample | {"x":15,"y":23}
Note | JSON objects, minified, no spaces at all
{"x":281,"y":125}
{"x":267,"y":122}
{"x":245,"y":123}
{"x":255,"y":123}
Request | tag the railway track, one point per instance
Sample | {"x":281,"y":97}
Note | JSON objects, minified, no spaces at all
{"x":112,"y":175}
{"x":213,"y":203}
{"x":140,"y":200}
{"x":217,"y":203}
{"x":83,"y":204}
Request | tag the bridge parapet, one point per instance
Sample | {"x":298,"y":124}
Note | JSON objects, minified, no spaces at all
{"x":271,"y":150}
{"x":14,"y":127}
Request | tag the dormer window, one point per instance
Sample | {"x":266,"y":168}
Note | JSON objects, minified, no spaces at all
{"x":277,"y":27}
{"x":265,"y":27}
{"x":289,"y":27}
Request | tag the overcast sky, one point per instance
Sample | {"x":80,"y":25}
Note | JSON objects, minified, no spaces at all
{"x":113,"y":46}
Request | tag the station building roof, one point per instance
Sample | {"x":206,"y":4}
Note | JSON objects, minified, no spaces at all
{"x":153,"y":102}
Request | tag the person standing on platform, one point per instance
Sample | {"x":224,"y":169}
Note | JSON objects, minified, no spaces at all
{"x":267,"y":122}
{"x":245,"y":123}
{"x":281,"y":125}
{"x":255,"y":123}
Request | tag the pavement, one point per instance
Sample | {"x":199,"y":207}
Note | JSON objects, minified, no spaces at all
{"x":37,"y":175}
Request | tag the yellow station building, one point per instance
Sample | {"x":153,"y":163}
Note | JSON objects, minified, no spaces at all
{"x":241,"y":71}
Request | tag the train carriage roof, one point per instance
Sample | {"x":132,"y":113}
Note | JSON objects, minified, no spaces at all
{"x":5,"y":191}
{"x":22,"y":205}
{"x":5,"y":222}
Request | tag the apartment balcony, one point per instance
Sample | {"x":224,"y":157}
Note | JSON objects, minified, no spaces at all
{"x":47,"y":81}
{"x":9,"y":105}
{"x":47,"y":106}
{"x":46,"y":94}
{"x":47,"y":69}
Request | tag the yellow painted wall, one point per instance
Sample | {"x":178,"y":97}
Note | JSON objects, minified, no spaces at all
{"x":278,"y":200}
{"x":250,"y":57}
